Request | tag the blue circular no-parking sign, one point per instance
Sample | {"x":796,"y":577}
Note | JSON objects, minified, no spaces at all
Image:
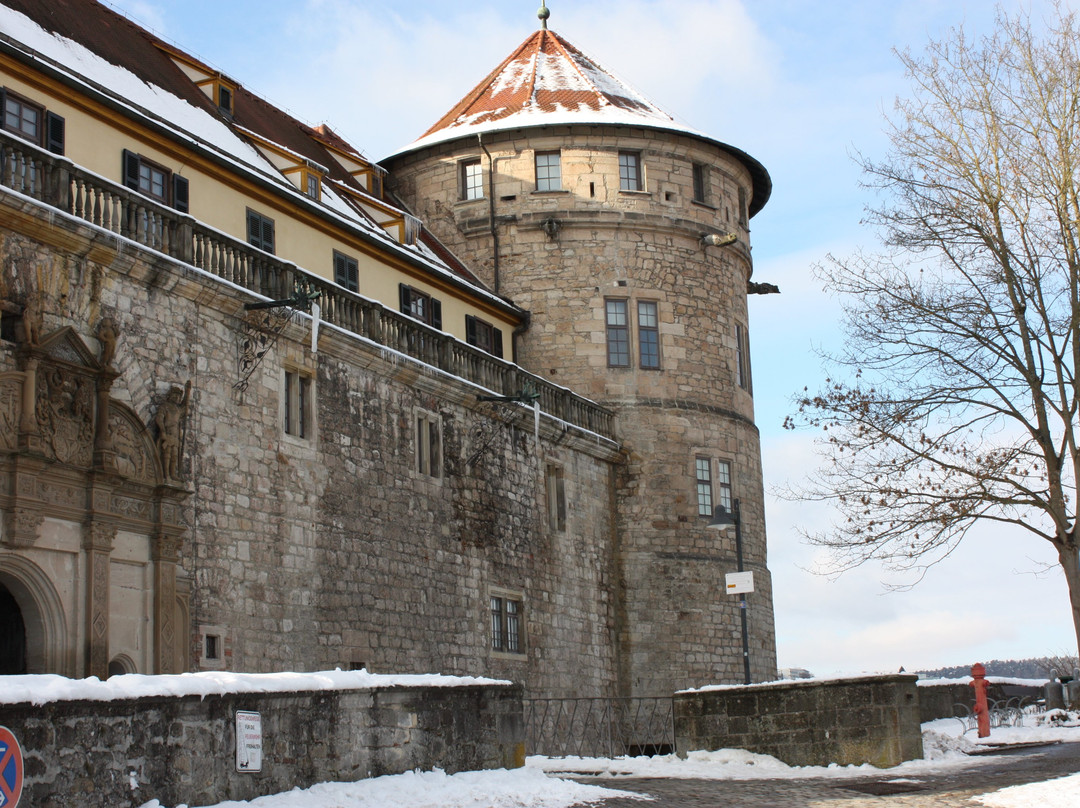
{"x":11,"y":769}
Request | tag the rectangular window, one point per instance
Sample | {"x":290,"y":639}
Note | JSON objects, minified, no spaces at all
{"x":472,"y":180}
{"x":723,"y":484}
{"x":701,"y":178}
{"x":556,"y":498}
{"x":742,"y":358}
{"x":428,"y":445}
{"x":23,"y":117}
{"x":483,"y":335}
{"x":648,"y":320}
{"x":420,"y":305}
{"x":213,"y":647}
{"x":704,"y":486}
{"x":630,"y":171}
{"x":312,"y":185}
{"x":618,"y":332}
{"x":744,"y":218}
{"x":260,"y":231}
{"x":548,"y":171}
{"x":154,"y":181}
{"x":297,"y":404}
{"x":346,"y":272}
{"x":506,"y":624}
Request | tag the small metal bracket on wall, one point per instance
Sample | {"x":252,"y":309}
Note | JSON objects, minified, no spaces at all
{"x":259,"y":334}
{"x":485,"y":433}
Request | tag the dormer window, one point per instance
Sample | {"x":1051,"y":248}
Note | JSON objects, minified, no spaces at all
{"x":224,"y":98}
{"x":312,"y":184}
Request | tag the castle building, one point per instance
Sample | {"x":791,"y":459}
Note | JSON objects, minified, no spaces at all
{"x":266,"y":404}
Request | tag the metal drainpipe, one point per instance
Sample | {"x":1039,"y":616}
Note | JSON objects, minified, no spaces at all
{"x":491,"y":210}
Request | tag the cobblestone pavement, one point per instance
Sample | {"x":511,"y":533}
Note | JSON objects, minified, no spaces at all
{"x":953,"y":789}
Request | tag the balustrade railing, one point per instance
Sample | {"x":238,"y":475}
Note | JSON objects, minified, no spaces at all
{"x":57,"y":182}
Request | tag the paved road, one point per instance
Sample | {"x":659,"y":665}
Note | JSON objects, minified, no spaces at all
{"x":953,"y":789}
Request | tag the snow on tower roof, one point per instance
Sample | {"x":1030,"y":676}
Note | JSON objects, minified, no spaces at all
{"x":546,"y":81}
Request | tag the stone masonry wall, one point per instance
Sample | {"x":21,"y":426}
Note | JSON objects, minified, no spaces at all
{"x":78,"y":754}
{"x":872,"y":720}
{"x":332,"y":550}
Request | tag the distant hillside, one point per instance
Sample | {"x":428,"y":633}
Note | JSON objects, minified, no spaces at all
{"x":1018,"y":668}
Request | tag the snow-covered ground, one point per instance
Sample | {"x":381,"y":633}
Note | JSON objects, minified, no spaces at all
{"x":542,"y":783}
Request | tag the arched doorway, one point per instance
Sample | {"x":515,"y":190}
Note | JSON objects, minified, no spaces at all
{"x":12,"y":635}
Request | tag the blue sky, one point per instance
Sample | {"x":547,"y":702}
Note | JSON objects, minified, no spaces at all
{"x":800,"y":86}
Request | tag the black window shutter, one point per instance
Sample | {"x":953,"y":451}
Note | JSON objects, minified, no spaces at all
{"x":496,"y":342}
{"x":131,"y":170}
{"x":254,"y":229}
{"x":341,"y":274}
{"x":268,"y":235}
{"x":436,"y":313}
{"x":54,"y":133}
{"x":404,"y":299}
{"x":180,"y":193}
{"x":470,"y":329}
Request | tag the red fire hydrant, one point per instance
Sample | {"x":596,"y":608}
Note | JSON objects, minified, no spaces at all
{"x":982,"y":711}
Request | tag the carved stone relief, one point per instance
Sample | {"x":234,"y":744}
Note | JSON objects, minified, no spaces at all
{"x":10,"y":396}
{"x":132,"y":445}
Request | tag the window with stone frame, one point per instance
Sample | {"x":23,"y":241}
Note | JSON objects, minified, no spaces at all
{"x":630,"y":171}
{"x":617,"y":325}
{"x":742,"y":358}
{"x":723,"y":485}
{"x":428,"y":439}
{"x":703,"y":473}
{"x":701,"y":182}
{"x":555,"y":490}
{"x":648,"y":333}
{"x":548,"y":171}
{"x":297,"y":409}
{"x":472,"y":179}
{"x":507,"y":622}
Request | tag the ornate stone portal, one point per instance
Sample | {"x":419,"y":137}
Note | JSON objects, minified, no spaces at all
{"x":70,"y":455}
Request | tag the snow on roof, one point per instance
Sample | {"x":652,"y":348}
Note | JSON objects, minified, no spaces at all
{"x":46,"y":688}
{"x":547,"y":81}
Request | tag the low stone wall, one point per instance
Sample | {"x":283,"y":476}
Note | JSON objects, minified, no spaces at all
{"x":184,"y":749}
{"x":872,"y":719}
{"x":948,"y":699}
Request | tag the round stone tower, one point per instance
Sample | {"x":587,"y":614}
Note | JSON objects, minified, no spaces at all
{"x":626,"y":235}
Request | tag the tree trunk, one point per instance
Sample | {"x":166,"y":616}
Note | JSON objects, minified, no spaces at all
{"x":1069,"y":558}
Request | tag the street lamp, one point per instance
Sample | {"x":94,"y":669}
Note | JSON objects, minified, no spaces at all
{"x":723,"y":521}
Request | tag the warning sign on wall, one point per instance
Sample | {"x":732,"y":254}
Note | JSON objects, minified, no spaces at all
{"x":248,"y":742}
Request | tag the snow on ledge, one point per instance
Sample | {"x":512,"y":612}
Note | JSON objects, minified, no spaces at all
{"x":44,"y":688}
{"x":994,"y":680}
{"x":816,"y":680}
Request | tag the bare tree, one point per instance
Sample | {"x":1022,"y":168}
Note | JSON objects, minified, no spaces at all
{"x":955,"y":398}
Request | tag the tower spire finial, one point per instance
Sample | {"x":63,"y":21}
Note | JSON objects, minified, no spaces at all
{"x":543,"y":13}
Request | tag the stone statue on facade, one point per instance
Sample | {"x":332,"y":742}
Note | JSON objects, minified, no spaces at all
{"x":170,"y":424}
{"x":107,"y":336}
